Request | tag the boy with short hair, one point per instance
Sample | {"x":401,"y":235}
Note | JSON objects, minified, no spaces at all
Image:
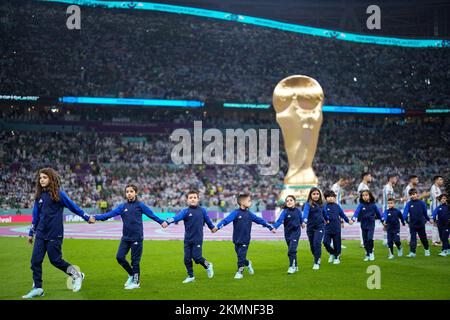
{"x":443,"y":219}
{"x":333,"y":214}
{"x":242,"y":219}
{"x":417,"y":211}
{"x":390,"y":219}
{"x":194,"y":217}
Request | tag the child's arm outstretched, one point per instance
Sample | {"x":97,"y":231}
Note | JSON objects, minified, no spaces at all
{"x":110,"y":214}
{"x":384,"y":217}
{"x":406,"y":212}
{"x":356,"y":213}
{"x":207,"y":220}
{"x":343,"y":216}
{"x":262,"y":222}
{"x":180,"y":216}
{"x":425,"y":211}
{"x":325,"y":214}
{"x":149,"y":213}
{"x":280,"y":220}
{"x":433,"y":215}
{"x":34,"y":222}
{"x":69,"y":204}
{"x":378,"y":214}
{"x":305,"y":214}
{"x":225,"y":221}
{"x":400,"y":216}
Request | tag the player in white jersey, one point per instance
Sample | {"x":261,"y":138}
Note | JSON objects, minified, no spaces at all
{"x":366,"y":179}
{"x":388,"y":192}
{"x":337,"y":189}
{"x":435,"y":191}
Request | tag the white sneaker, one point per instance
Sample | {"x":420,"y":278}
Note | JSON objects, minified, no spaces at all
{"x":78,"y":282}
{"x":320,"y":260}
{"x":250,"y":268}
{"x":296,"y":269}
{"x":331,"y":258}
{"x":291,"y":270}
{"x":411,"y":255}
{"x":442,"y":254}
{"x":316,"y":266}
{"x":391,"y":256}
{"x":238,"y":275}
{"x":129,"y":281}
{"x":35,"y":292}
{"x":188,"y":279}
{"x":337,"y":261}
{"x":427,"y":253}
{"x":133,"y":285}
{"x":366,"y":258}
{"x":400,"y":252}
{"x":210,"y":271}
{"x":372,"y":257}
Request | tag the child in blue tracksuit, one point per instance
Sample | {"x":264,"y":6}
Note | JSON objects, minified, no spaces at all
{"x":291,"y":217}
{"x":415,"y":214}
{"x":391,"y":219}
{"x":132,"y":233}
{"x":333,"y":214}
{"x":366,"y":213}
{"x":314,"y":218}
{"x":242,"y":219}
{"x":442,"y":215}
{"x":47,"y":230}
{"x":194,"y":217}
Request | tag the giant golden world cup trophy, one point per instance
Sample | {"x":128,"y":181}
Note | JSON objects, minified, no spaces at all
{"x":298,"y":102}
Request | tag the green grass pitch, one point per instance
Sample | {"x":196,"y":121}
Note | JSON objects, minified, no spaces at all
{"x":162,"y":271}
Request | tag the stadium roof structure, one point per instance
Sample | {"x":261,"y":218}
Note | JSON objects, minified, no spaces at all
{"x":401,"y":18}
{"x":270,"y":23}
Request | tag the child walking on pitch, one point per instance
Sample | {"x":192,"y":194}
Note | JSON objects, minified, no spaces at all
{"x":390,"y":219}
{"x":366,"y":213}
{"x":194,"y":217}
{"x":47,"y":230}
{"x":415,"y":213}
{"x":314,"y":218}
{"x":242,"y":219}
{"x":442,"y":215}
{"x":132,"y":233}
{"x":333,"y":214}
{"x":388,"y":192}
{"x":291,"y":217}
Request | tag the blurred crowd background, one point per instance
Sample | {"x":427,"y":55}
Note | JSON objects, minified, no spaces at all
{"x":142,"y":54}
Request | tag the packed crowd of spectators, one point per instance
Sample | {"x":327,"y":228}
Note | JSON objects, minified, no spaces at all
{"x":136,"y":53}
{"x":96,"y":166}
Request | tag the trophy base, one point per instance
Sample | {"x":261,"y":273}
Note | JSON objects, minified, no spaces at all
{"x":300,"y":192}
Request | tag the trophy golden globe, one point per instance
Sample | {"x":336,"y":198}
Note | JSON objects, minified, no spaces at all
{"x":298,"y":102}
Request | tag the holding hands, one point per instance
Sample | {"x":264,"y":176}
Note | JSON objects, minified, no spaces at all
{"x":164,"y":224}
{"x":214,"y":230}
{"x":91,"y":220}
